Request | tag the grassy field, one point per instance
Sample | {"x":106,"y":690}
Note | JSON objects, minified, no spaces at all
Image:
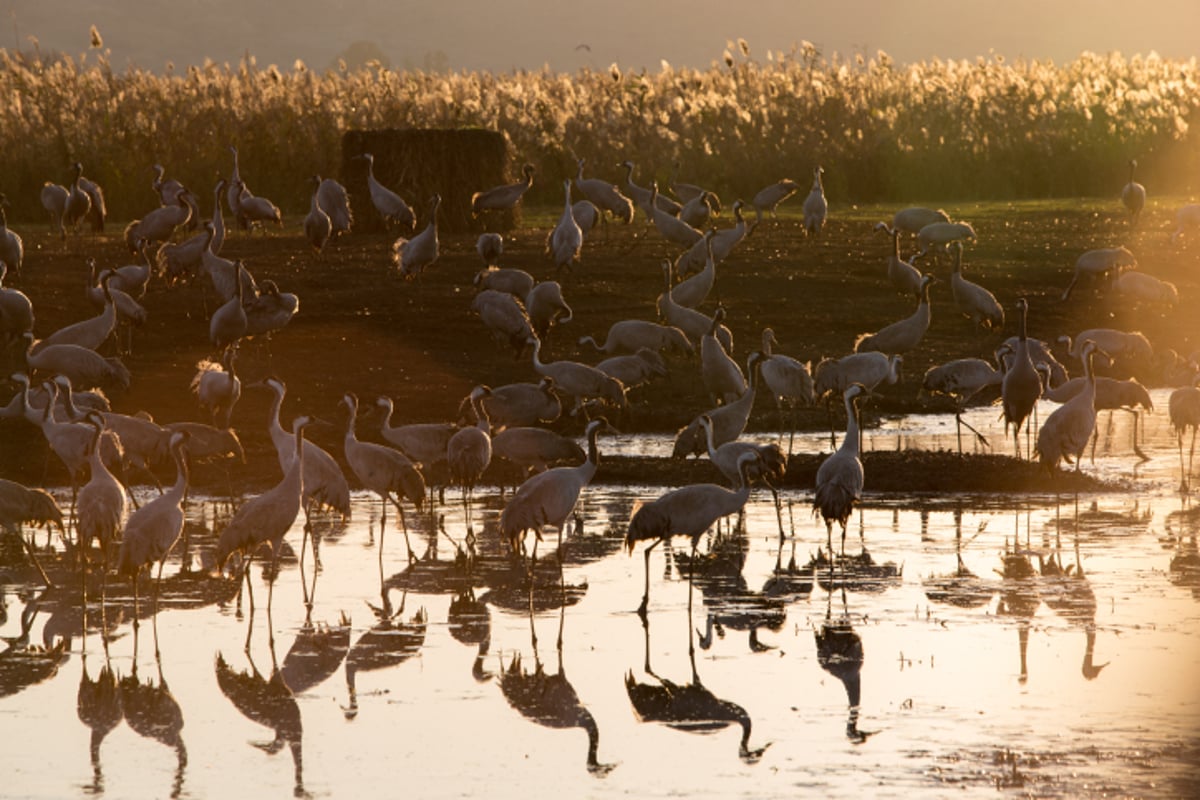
{"x":362,"y":329}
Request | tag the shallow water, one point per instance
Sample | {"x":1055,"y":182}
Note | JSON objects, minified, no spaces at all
{"x":871,"y":678}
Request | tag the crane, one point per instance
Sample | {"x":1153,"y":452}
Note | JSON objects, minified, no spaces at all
{"x":840,"y":476}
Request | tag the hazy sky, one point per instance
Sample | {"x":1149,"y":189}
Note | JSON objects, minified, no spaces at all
{"x":505,"y":34}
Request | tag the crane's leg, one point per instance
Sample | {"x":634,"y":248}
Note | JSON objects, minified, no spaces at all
{"x":1137,"y":449}
{"x":270,"y":596}
{"x":958,"y":430}
{"x":646,"y":592}
{"x":983,"y":442}
{"x":1191,"y":455}
{"x":136,"y":623}
{"x":1183,"y":473}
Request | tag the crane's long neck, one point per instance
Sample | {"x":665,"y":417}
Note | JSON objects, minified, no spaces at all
{"x":766,"y":343}
{"x":895,"y":234}
{"x":68,"y":396}
{"x":351,"y":425}
{"x":850,"y":443}
{"x":177,"y":491}
{"x":1022,"y":336}
{"x":708,"y":440}
{"x":314,"y":204}
{"x":273,"y":417}
{"x":387,"y":407}
{"x":481,"y":418}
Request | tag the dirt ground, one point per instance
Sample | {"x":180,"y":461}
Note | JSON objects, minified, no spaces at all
{"x":363,"y":329}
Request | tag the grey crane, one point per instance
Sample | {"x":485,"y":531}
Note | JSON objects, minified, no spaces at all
{"x":324,"y":483}
{"x":84,"y":367}
{"x":228,"y":323}
{"x":535,"y":450}
{"x":217,"y":386}
{"x":386,"y":472}
{"x":1021,"y":387}
{"x":413,"y":256}
{"x":89,"y":333}
{"x":565,"y":241}
{"x":904,"y":277}
{"x":390,"y":205}
{"x":54,"y":200}
{"x":691,"y":292}
{"x":815,"y":208}
{"x":1183,"y":408}
{"x":728,"y":420}
{"x":788,"y":380}
{"x":962,"y":379}
{"x":973,"y":301}
{"x":490,"y":247}
{"x":724,"y":241}
{"x":914,"y":218}
{"x":631,"y":335}
{"x":642,"y":197}
{"x":769,"y":197}
{"x":722,"y":377}
{"x":266,"y":519}
{"x":516,"y":282}
{"x":253,"y":210}
{"x":506,"y":318}
{"x":159,"y":225}
{"x":101,"y":506}
{"x":152,"y":530}
{"x":1133,"y":196}
{"x":318,"y":227}
{"x":604,"y":195}
{"x":687,"y":511}
{"x":840,"y":476}
{"x":581,"y":381}
{"x":332,"y":198}
{"x":902,"y":336}
{"x":1099,"y":262}
{"x":635,"y":370}
{"x":1067,"y":430}
{"x":547,"y":308}
{"x":502,"y":198}
{"x":12,"y":250}
{"x":670,"y":226}
{"x":549,"y":497}
{"x":518,"y":404}
{"x":79,"y":202}
{"x":469,"y":451}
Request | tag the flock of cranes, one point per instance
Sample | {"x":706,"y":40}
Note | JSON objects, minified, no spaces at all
{"x":521,"y":312}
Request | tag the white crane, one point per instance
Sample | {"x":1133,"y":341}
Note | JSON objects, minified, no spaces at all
{"x":604,"y":195}
{"x":1021,"y":387}
{"x":1133,"y":196}
{"x":336,"y":203}
{"x":386,"y":472}
{"x":631,"y":335}
{"x":688,"y":511}
{"x":414,"y":255}
{"x":722,"y":377}
{"x":549,"y":497}
{"x":564,"y":242}
{"x":1067,"y":430}
{"x":1095,"y":263}
{"x":502,"y":198}
{"x":840,"y":477}
{"x":317,"y":225}
{"x":1183,"y":407}
{"x":904,"y":277}
{"x":962,"y":379}
{"x":768,"y":198}
{"x":12,"y":250}
{"x":787,"y":379}
{"x":390,"y":205}
{"x":973,"y":301}
{"x":903,"y":336}
{"x":815,"y":207}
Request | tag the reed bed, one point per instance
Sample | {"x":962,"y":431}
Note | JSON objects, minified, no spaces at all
{"x":987,"y":128}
